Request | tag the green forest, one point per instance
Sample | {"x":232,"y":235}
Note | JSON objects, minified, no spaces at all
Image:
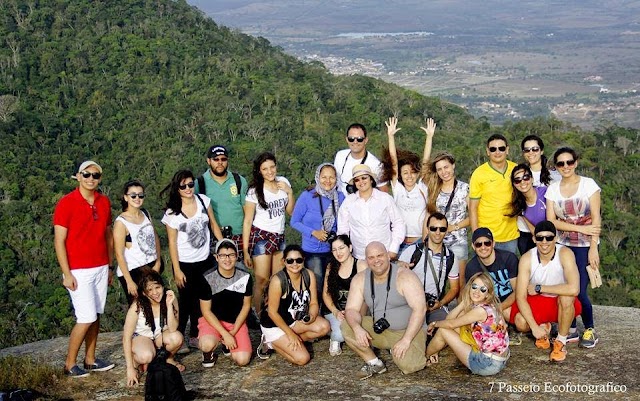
{"x":144,"y":87}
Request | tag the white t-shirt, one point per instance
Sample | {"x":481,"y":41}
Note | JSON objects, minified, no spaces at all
{"x":412,"y":205}
{"x":344,"y":164}
{"x":193,"y":233}
{"x":271,"y":219}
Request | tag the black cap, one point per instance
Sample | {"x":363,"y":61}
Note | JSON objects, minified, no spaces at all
{"x":217,"y":150}
{"x":482,"y":232}
{"x":545,"y":225}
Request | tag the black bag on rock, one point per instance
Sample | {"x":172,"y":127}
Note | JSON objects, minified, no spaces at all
{"x":164,"y":381}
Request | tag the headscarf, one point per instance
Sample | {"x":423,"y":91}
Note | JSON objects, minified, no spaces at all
{"x":329,"y":217}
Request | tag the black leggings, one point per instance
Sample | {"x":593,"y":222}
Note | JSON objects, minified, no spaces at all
{"x":188,"y":300}
{"x":525,"y":242}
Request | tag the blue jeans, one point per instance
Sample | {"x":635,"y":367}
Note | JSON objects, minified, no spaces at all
{"x":511,"y":246}
{"x":317,"y":263}
{"x":582,"y":260}
{"x":336,"y":333}
{"x":483,"y":365}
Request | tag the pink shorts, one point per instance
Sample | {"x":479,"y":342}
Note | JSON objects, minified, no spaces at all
{"x":243,"y":341}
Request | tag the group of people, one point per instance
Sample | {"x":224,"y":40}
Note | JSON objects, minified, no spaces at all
{"x":373,"y":269}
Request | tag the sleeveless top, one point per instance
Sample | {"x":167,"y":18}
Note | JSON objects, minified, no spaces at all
{"x":551,"y":274}
{"x":491,"y":335}
{"x":343,"y":287}
{"x":290,"y":303}
{"x":397,"y":309}
{"x":143,"y":329}
{"x":143,"y":244}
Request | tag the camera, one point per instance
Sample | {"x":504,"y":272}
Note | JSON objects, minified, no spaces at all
{"x":302,"y":315}
{"x":380,"y":325}
{"x":227,"y":232}
{"x":351,"y":189}
{"x":331,"y":236}
{"x":431,"y":300}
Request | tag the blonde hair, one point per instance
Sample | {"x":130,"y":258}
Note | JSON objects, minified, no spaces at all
{"x":491,"y":297}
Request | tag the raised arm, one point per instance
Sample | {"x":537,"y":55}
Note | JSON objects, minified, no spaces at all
{"x":392,"y":124}
{"x":430,"y":129}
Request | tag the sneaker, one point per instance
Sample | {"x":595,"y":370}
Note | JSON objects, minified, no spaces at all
{"x":99,"y":365}
{"x":369,"y":370}
{"x":194,"y":342}
{"x":589,"y":338}
{"x":543,"y":342}
{"x":573,"y":337}
{"x":559,"y":352}
{"x":334,"y":348}
{"x":76,"y":372}
{"x":515,"y":338}
{"x":225,"y":350}
{"x":263,"y":352}
{"x":209,"y":359}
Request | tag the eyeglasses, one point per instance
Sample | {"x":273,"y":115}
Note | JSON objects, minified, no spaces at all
{"x":220,"y":159}
{"x":441,"y":229}
{"x":493,"y":149}
{"x":291,"y":261}
{"x":223,"y":256}
{"x":362,"y":178}
{"x":482,"y":289}
{"x":541,"y":238}
{"x":134,"y":195}
{"x":480,"y":243}
{"x":87,"y":174}
{"x":94,"y":211}
{"x":355,"y":138}
{"x":568,"y":163}
{"x":531,"y":149}
{"x":338,"y":248}
{"x":189,"y":184}
{"x":525,"y":177}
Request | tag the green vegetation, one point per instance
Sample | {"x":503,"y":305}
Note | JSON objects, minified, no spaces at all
{"x":22,"y":373}
{"x":144,"y":87}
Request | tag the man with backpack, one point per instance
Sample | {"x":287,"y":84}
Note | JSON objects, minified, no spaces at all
{"x":227,"y":191}
{"x":434,"y":264}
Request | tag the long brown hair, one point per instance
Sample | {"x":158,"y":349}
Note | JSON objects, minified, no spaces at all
{"x":433,"y":181}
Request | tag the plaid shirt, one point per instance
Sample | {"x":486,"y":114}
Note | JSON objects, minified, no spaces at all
{"x":273,"y":240}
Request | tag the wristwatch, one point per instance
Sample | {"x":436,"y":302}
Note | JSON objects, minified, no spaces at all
{"x":538,"y":288}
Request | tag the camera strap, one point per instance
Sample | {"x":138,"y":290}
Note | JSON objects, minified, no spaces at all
{"x":364,"y":159}
{"x":373,"y":293}
{"x":455,"y":184}
{"x":438,"y":277}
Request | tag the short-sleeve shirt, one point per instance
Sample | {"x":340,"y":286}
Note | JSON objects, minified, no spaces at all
{"x":574,"y":210}
{"x":227,"y":200}
{"x":193,"y":232}
{"x":226,"y":294}
{"x":503,"y":269}
{"x":412,"y":205}
{"x":344,"y":164}
{"x":272,"y":218}
{"x":86,"y":225}
{"x":457,"y":212}
{"x":493,"y":189}
{"x":422,"y":269}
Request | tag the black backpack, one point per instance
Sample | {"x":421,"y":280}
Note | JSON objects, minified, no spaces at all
{"x":164,"y":381}
{"x":417,"y":255}
{"x":202,"y":186}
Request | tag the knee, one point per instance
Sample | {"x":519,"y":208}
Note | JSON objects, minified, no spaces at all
{"x":241,"y":358}
{"x":521,"y":323}
{"x":208,"y":343}
{"x":301,"y":358}
{"x":324,"y":328}
{"x":565,"y":302}
{"x":144,"y":357}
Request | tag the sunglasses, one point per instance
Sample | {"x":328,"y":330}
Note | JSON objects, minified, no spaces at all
{"x":291,"y":261}
{"x":184,"y":186}
{"x":525,"y":177}
{"x":493,"y":149}
{"x":541,"y":238}
{"x":482,"y":289}
{"x":441,"y":229}
{"x":134,"y":195}
{"x":568,"y":163}
{"x":220,"y":159}
{"x":531,"y":149}
{"x":94,"y":212}
{"x":223,"y":256}
{"x":86,"y":174}
{"x":355,"y":138}
{"x":358,"y":179}
{"x":480,"y":243}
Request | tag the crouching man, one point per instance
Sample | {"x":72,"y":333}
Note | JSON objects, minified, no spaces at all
{"x":396,"y":300}
{"x":547,"y":285}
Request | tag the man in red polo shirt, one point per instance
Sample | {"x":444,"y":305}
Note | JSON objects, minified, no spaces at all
{"x":83,"y":242}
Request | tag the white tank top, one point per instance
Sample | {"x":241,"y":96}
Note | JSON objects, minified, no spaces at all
{"x":143,"y":244}
{"x":549,"y":274}
{"x":143,"y":329}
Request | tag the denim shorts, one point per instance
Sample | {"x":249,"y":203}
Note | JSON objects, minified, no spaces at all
{"x":483,"y":365}
{"x":260,"y":248}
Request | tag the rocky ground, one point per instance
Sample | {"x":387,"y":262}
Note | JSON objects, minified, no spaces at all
{"x":586,"y":374}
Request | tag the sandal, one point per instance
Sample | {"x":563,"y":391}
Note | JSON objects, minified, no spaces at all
{"x":433,"y":359}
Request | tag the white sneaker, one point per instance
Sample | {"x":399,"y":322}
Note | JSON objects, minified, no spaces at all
{"x":334,"y":348}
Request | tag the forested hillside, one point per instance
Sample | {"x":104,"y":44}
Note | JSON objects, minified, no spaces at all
{"x":144,"y":87}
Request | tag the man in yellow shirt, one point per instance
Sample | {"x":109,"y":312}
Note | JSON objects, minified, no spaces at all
{"x":490,"y":195}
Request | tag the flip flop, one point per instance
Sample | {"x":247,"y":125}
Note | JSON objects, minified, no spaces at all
{"x":433,"y":359}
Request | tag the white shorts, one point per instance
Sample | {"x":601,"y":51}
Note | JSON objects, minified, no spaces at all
{"x":90,"y":296}
{"x":271,"y":334}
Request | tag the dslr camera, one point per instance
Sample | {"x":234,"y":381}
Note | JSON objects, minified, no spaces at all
{"x":331,"y":236}
{"x":303,"y":315}
{"x":431,"y":300}
{"x":351,"y":189}
{"x":227,"y":232}
{"x":380,"y":325}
